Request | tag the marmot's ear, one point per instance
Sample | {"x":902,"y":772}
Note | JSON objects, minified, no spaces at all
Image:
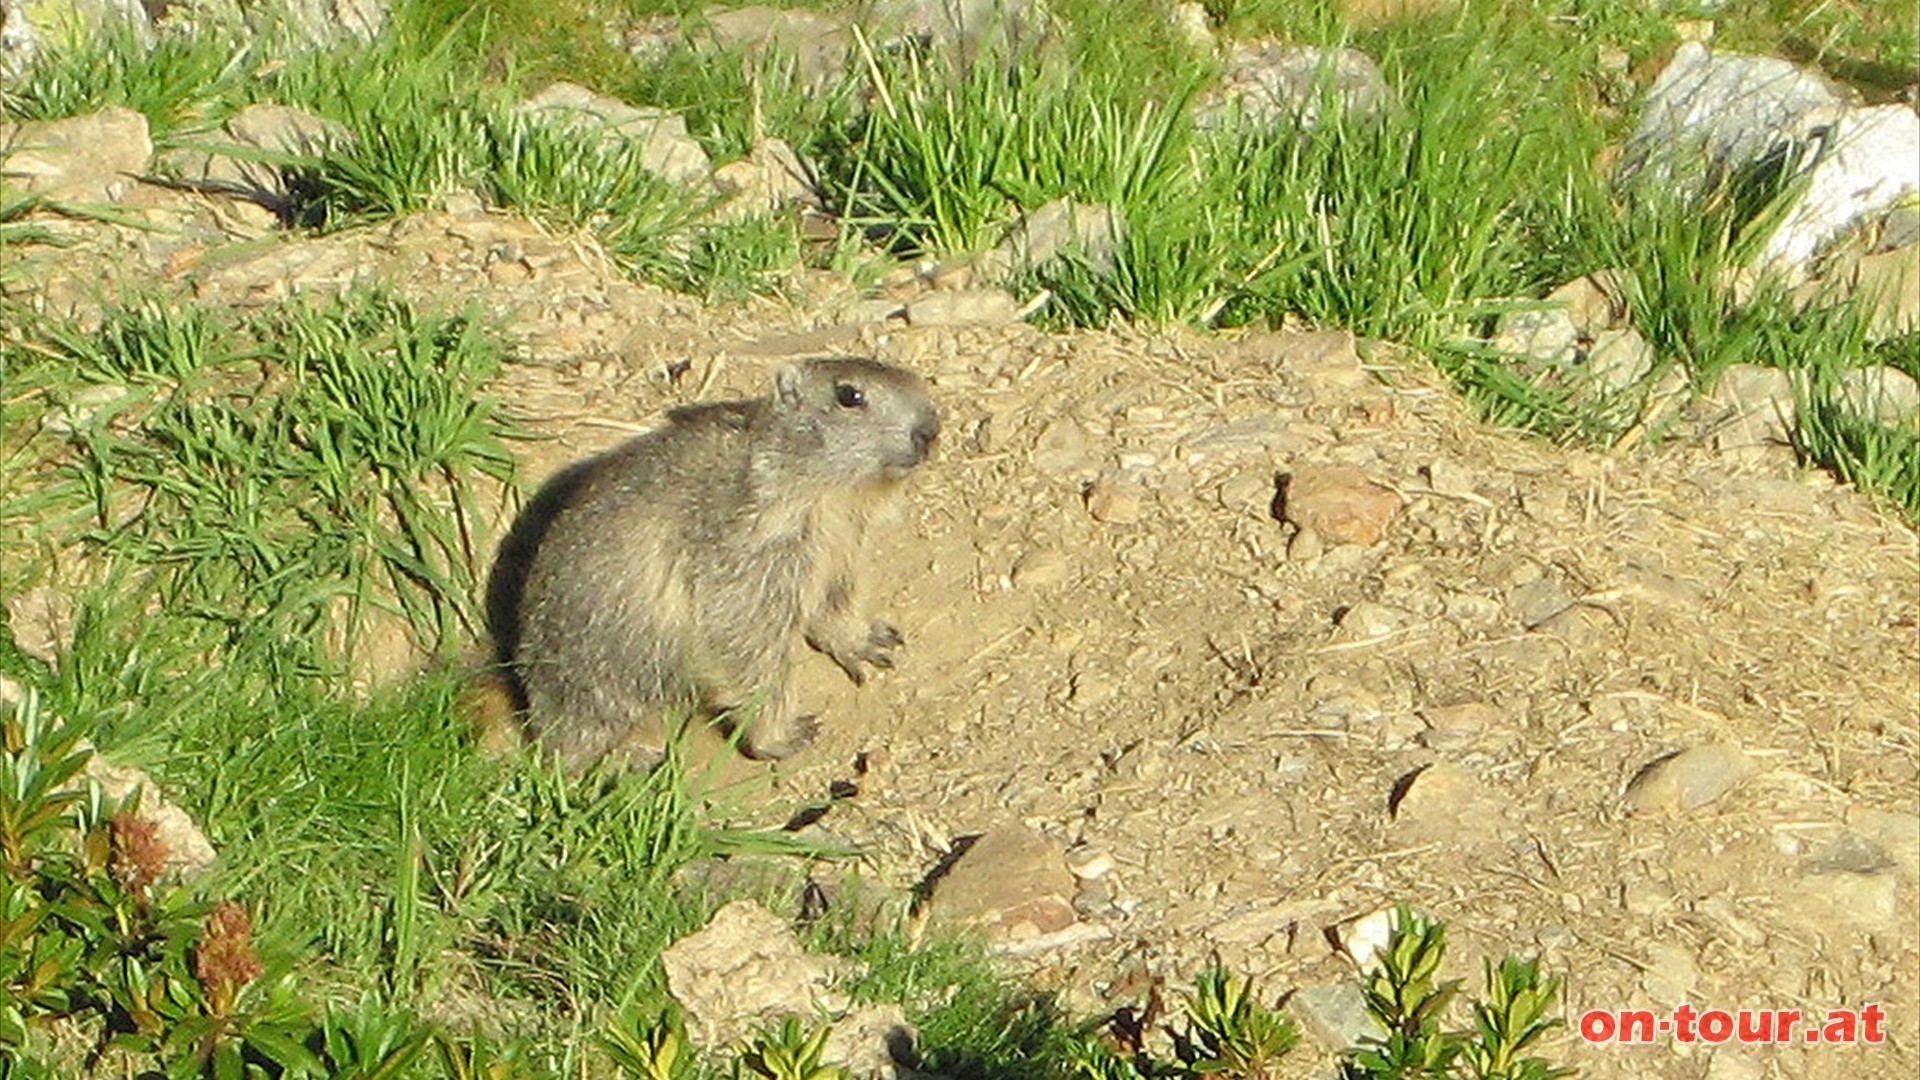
{"x":786,"y":385}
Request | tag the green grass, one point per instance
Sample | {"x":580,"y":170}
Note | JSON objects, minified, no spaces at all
{"x":184,"y":82}
{"x":267,"y":465}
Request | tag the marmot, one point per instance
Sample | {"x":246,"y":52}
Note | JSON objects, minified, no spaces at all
{"x":682,"y":569}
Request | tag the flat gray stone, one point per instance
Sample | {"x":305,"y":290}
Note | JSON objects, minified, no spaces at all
{"x":1334,"y":1015}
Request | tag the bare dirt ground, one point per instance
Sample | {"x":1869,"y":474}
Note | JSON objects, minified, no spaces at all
{"x":1112,"y":642}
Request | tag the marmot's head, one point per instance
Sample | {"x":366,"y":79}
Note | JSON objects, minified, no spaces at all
{"x":855,"y":420}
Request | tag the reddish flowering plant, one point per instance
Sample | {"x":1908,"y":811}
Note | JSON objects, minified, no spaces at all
{"x":224,"y":960}
{"x":139,"y":854}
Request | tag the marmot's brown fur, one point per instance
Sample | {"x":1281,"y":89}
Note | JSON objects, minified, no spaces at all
{"x":681,"y":569}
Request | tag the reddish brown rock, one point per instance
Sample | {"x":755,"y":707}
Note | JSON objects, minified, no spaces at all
{"x":1012,"y":883}
{"x":1339,"y":503}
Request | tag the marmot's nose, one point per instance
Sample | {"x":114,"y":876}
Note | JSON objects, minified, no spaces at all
{"x":924,"y":432}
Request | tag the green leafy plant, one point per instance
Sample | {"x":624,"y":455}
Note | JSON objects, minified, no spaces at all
{"x":90,"y":933}
{"x":788,"y":1052}
{"x":647,"y":1050}
{"x":1404,"y":994}
{"x":1511,"y":1019}
{"x":1236,"y":1035}
{"x":1228,"y":1034}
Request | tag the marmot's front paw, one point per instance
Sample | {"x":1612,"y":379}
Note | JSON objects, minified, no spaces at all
{"x":856,"y":655}
{"x":763,"y":741}
{"x":882,"y":639}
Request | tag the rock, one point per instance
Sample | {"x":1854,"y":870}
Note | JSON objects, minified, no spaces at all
{"x":1618,"y":359}
{"x":1710,"y":116}
{"x":959,"y":31}
{"x":1899,"y":228}
{"x":1749,"y":406}
{"x":259,"y":129}
{"x":1089,"y":863}
{"x":1375,"y":12}
{"x":1450,"y":726}
{"x":1190,"y":24}
{"x":817,"y":44}
{"x":1571,"y":316}
{"x":963,"y":307}
{"x":1305,"y":545}
{"x":1444,"y":803}
{"x":1043,"y":568}
{"x":19,"y":43}
{"x":1890,"y":283}
{"x":1671,"y":976}
{"x":1869,"y":162}
{"x":1449,"y":477}
{"x":1062,"y":229}
{"x":183,"y":849}
{"x":1646,"y":898}
{"x":1707,"y":115}
{"x":1364,"y":939}
{"x":1472,"y":609}
{"x":1580,"y":626}
{"x":649,"y":39}
{"x":871,"y":1043}
{"x":743,"y":972}
{"x":1846,"y":851}
{"x":1883,"y":394}
{"x":1249,"y":493}
{"x":769,"y":180}
{"x":68,"y":23}
{"x":1545,"y":335}
{"x":1325,"y":362}
{"x":1011,"y":883}
{"x":1338,"y":502}
{"x":1897,"y":834}
{"x":82,"y":159}
{"x":84,"y":408}
{"x":42,"y":623}
{"x":1366,"y":619}
{"x":1728,"y":1063}
{"x":308,"y":23}
{"x":1334,"y":1015}
{"x":1115,"y":501}
{"x":1555,"y":937}
{"x":1834,"y":899}
{"x":11,"y":693}
{"x":1689,"y":780}
{"x":1583,"y":331}
{"x":1065,"y":449}
{"x":1648,"y":585}
{"x":1273,"y":86}
{"x":666,"y":150}
{"x":1270,"y":432}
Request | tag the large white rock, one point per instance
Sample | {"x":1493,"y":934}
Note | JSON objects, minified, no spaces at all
{"x":1710,"y":112}
{"x":1869,"y":162}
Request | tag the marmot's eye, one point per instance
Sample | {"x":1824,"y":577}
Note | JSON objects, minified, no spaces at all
{"x":849,"y":396}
